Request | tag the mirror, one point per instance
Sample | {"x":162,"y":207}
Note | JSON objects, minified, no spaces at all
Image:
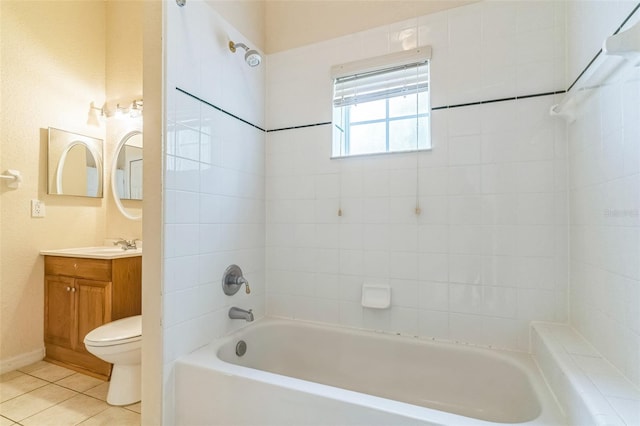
{"x":126,"y":172}
{"x":129,"y":168}
{"x":74,"y":164}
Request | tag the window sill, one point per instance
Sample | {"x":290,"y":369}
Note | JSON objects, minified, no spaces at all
{"x":378,"y":154}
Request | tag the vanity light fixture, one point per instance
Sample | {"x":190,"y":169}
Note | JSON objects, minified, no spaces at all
{"x":94,"y":118}
{"x":133,"y":110}
{"x":121,"y":111}
{"x":102,"y":114}
{"x":136,"y":108}
{"x":103,"y":111}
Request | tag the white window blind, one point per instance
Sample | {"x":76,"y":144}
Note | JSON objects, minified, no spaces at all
{"x":381,"y":105}
{"x":382,"y":84}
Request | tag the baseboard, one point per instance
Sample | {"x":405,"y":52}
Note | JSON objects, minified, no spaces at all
{"x":22,"y":360}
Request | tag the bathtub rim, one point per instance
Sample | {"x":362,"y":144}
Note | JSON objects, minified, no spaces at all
{"x":207,"y":358}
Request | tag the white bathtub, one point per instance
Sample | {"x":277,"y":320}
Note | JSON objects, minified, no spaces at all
{"x":296,"y":373}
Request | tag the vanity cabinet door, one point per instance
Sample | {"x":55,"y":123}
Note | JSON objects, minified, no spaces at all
{"x":59,"y":318}
{"x":80,"y":295}
{"x":93,"y":308}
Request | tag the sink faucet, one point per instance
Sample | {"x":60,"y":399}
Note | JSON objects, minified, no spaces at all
{"x":126,"y":244}
{"x":237,"y":313}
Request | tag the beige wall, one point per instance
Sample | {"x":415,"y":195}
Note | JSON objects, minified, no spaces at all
{"x":53,"y":66}
{"x":152,"y":265}
{"x":53,"y":57}
{"x":247,"y":16}
{"x":123,"y":85}
{"x":1,"y":139}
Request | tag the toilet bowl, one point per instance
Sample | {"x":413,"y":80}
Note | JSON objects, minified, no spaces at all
{"x":120,"y":343}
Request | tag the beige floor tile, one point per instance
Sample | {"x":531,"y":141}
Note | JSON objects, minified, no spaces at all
{"x":51,"y":372}
{"x":35,"y":366}
{"x":10,"y":375}
{"x":6,"y":422}
{"x":99,"y":391}
{"x":35,"y":401}
{"x":114,"y":416}
{"x":69,"y":412}
{"x":79,"y":382}
{"x":137,"y":407}
{"x":19,"y":386}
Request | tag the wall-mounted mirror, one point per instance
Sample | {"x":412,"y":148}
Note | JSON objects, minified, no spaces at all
{"x":129,"y":168}
{"x":74,"y":164}
{"x":126,"y":173}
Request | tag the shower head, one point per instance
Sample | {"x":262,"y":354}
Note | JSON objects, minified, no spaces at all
{"x":252,"y":57}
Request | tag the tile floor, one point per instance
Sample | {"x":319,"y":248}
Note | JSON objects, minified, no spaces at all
{"x":44,"y":394}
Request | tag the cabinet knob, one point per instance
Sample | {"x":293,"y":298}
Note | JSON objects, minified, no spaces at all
{"x":73,"y":289}
{"x":68,"y":288}
{"x":75,"y":266}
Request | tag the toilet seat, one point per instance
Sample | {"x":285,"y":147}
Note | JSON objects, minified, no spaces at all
{"x":119,"y":332}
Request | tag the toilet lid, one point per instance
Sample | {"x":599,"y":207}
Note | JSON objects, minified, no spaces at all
{"x":120,"y":331}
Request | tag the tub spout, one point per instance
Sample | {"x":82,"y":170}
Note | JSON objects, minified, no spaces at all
{"x":237,"y":313}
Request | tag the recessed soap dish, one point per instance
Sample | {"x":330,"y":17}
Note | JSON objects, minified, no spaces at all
{"x":376,"y":296}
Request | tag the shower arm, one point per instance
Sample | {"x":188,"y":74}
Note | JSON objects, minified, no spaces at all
{"x":233,"y":46}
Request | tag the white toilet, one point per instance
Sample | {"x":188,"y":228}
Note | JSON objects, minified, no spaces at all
{"x":120,"y":343}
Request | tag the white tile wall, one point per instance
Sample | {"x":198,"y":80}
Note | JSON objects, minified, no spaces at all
{"x":214,"y":195}
{"x":588,"y":24}
{"x":487,"y":254}
{"x":604,"y":203}
{"x":588,"y":387}
{"x":484,"y":257}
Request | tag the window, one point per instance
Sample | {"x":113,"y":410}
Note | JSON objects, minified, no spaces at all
{"x":385,"y":109}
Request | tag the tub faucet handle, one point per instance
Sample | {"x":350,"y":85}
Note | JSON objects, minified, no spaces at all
{"x":243,"y":280}
{"x":232,"y":280}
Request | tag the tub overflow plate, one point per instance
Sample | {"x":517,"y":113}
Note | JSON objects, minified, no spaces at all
{"x":241,"y":348}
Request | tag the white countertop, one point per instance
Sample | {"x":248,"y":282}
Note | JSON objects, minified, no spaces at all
{"x":106,"y":252}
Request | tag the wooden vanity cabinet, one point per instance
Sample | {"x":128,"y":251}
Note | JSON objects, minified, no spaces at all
{"x":82,"y":294}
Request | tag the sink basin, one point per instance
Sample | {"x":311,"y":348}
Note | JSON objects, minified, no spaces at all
{"x":101,"y":252}
{"x":105,"y":249}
